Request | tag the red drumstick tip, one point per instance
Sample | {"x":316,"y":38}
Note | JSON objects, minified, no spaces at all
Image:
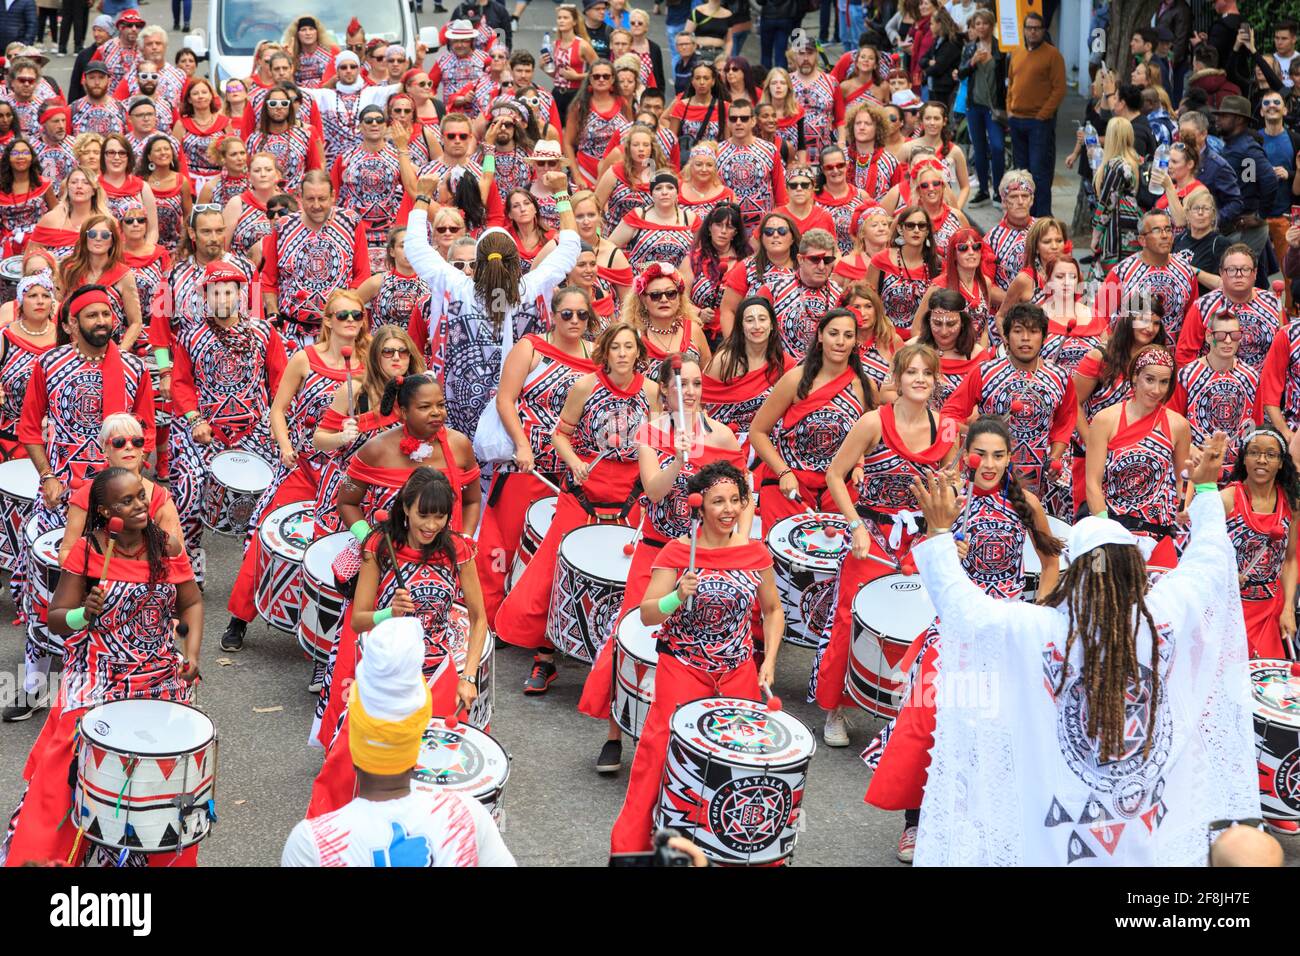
{"x":695,"y":500}
{"x":1071,"y":326}
{"x":1278,"y":286}
{"x":629,"y":548}
{"x":381,"y":516}
{"x":346,"y":352}
{"x":1017,"y":406}
{"x":972,"y":461}
{"x":676,"y":361}
{"x":773,"y":702}
{"x":831,"y":531}
{"x":115,"y":524}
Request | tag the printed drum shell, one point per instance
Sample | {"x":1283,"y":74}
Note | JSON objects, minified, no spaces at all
{"x":807,"y":561}
{"x":465,"y":760}
{"x":1275,"y":686}
{"x":321,"y":619}
{"x":282,"y":540}
{"x":590,"y":576}
{"x":19,"y":487}
{"x":43,"y":581}
{"x":635,"y":659}
{"x":888,"y":615}
{"x":235,"y":482}
{"x":537,"y":521}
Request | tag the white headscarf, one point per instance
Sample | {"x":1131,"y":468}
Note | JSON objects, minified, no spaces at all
{"x":389,"y":678}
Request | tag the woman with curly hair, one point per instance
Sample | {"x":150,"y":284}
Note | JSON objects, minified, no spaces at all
{"x":874,"y":169}
{"x":720,"y":243}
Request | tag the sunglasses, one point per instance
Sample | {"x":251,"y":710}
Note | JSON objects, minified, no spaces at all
{"x":349,"y":315}
{"x":98,"y":234}
{"x":402,"y":111}
{"x":425,"y":85}
{"x":446,"y":230}
{"x":937,"y":185}
{"x":669,"y":294}
{"x":546,"y":163}
{"x":1238,"y":270}
{"x":770,"y":231}
{"x":567,"y":314}
{"x":455,"y":137}
{"x":1226,"y":336}
{"x":273,"y":214}
{"x":602,"y":76}
{"x":119,"y":442}
{"x":970,"y":246}
{"x":114,"y":152}
{"x":916,"y":225}
{"x":464,"y":265}
{"x":148,"y":76}
{"x":820,"y":260}
{"x":799,"y":184}
{"x":395,"y":351}
{"x":277,"y":104}
{"x":833,"y":167}
{"x":742,"y":119}
{"x":134,"y":220}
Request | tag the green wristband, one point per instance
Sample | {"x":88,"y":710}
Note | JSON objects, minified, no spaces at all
{"x":1103,"y":513}
{"x":163,"y":358}
{"x":191,"y":415}
{"x":670,"y":602}
{"x":76,"y":618}
{"x":489,"y":163}
{"x":381,"y":616}
{"x":564,"y":205}
{"x":1206,"y":486}
{"x":360,"y":529}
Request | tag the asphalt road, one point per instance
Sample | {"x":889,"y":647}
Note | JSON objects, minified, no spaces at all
{"x":558,"y":810}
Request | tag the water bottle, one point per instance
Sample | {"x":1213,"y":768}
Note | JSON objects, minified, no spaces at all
{"x":548,"y":64}
{"x":1093,"y":146}
{"x":1159,"y":163}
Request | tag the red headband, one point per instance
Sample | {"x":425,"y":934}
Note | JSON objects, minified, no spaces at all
{"x":90,"y":297}
{"x":930,"y":162}
{"x":657,"y":270}
{"x":1154,"y":356}
{"x":411,"y":74}
{"x":53,"y":108}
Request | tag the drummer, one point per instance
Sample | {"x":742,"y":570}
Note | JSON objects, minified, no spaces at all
{"x":122,"y":440}
{"x":671,"y":448}
{"x":433,"y":565}
{"x":350,"y":421}
{"x":748,"y":364}
{"x":1000,"y":515}
{"x":301,"y":396}
{"x":34,"y":262}
{"x":73,"y":388}
{"x":1261,"y":499}
{"x":594,"y":438}
{"x":706,"y":644}
{"x":811,"y":410}
{"x":22,"y":342}
{"x":113,"y":652}
{"x":389,"y":823}
{"x":535,"y":380}
{"x":894,"y":444}
{"x":226,"y":368}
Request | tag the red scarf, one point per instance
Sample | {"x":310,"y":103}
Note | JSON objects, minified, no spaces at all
{"x":1262,"y":524}
{"x":816,"y":399}
{"x":134,"y":570}
{"x":931,"y":456}
{"x":544,"y":347}
{"x":749,"y":556}
{"x":635,"y":386}
{"x":742,"y":388}
{"x":131,"y":186}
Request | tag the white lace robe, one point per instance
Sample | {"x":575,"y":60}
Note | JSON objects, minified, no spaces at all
{"x":1014,"y":779}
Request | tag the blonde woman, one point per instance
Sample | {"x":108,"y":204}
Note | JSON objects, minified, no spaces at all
{"x":659,"y":308}
{"x":611,"y":263}
{"x":1115,"y":217}
{"x":778,"y":92}
{"x":57,"y":231}
{"x":313,"y":49}
{"x":702,"y":189}
{"x":870,"y":236}
{"x":87,"y":148}
{"x":448,"y":226}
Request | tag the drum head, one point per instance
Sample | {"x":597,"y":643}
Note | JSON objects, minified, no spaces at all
{"x":150,"y":728}
{"x":241,"y":470}
{"x":636,"y":639}
{"x":1276,"y":688}
{"x":318,"y":558}
{"x":802,"y":542}
{"x":464,"y":759}
{"x":1061,"y":530}
{"x":46,"y":547}
{"x":540,"y":514}
{"x":744,"y":732}
{"x":895,"y":605}
{"x":289,"y":529}
{"x":597,"y":551}
{"x":11,"y":268}
{"x":458,"y":619}
{"x":18,"y":479}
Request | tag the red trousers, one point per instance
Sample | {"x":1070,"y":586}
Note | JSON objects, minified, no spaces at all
{"x":336,"y":784}
{"x":1263,"y":626}
{"x":774,"y":506}
{"x":834,"y":664}
{"x":598,"y":691}
{"x":44,"y":831}
{"x":500,"y":532}
{"x":299,"y":486}
{"x":675,"y":683}
{"x":899,"y":780}
{"x":521,"y":620}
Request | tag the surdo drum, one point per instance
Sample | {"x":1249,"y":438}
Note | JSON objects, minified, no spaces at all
{"x":282,"y":540}
{"x":1034,"y":567}
{"x":590,"y":575}
{"x":18,"y":489}
{"x":235,"y":481}
{"x":1276,"y":690}
{"x":537,"y":521}
{"x":146,"y":773}
{"x":807,"y":559}
{"x":635,"y":659}
{"x":11,"y":273}
{"x":888,"y":615}
{"x":734,"y":779}
{"x":44,"y":579}
{"x":321,"y":618}
{"x":465,"y":760}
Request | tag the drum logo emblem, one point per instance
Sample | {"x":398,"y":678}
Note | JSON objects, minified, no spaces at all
{"x":447,"y":759}
{"x":101,"y":728}
{"x":1287,"y":780}
{"x":749,"y":813}
{"x":905,"y":586}
{"x":744,"y":731}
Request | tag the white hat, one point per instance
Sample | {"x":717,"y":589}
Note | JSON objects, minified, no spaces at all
{"x":547,"y":149}
{"x":906,"y":100}
{"x":461,"y":30}
{"x":346,"y":56}
{"x":390,"y":681}
{"x":1093,"y":532}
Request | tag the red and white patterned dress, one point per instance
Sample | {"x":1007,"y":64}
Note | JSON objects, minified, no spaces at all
{"x":1213,"y":401}
{"x":842,"y":212}
{"x":370,"y":184}
{"x":901,"y":290}
{"x":755,"y":174}
{"x":450,"y":72}
{"x":293,"y":148}
{"x":304,"y":266}
{"x":1006,"y":243}
{"x":1140,"y":481}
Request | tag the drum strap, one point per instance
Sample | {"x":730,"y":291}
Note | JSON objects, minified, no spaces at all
{"x":606,"y":510}
{"x":868,"y":513}
{"x":1147,"y":527}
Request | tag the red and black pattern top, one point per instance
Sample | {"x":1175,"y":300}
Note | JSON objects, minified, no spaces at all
{"x":670,"y":516}
{"x":1133,"y":281}
{"x":823,"y":108}
{"x":813,"y":428}
{"x":226,"y":188}
{"x":433,"y":586}
{"x":735,"y":403}
{"x":1249,"y":533}
{"x":129,"y":195}
{"x":888,"y":469}
{"x":450,"y":72}
{"x":1140,"y":481}
{"x":20,"y":212}
{"x":657,"y":242}
{"x":996,"y":535}
{"x":566,"y":57}
{"x":1279,"y":380}
{"x":17,"y":359}
{"x":171,"y":215}
{"x":901,"y":289}
{"x":397,"y":296}
{"x":311,"y":401}
{"x":119,"y":59}
{"x":150,"y":284}
{"x":1213,"y":401}
{"x":624,"y":197}
{"x":228,"y":376}
{"x":1260,"y":318}
{"x":542,"y":399}
{"x":252,"y":226}
{"x":196,"y":139}
{"x":875,"y":174}
{"x":304,"y":266}
{"x":313,"y":67}
{"x":102,"y":118}
{"x":611,"y":411}
{"x":370,"y":184}
{"x":755,"y":174}
{"x":703,"y":207}
{"x":294,"y":149}
{"x":798,"y":309}
{"x":842,"y":211}
{"x":597,"y":131}
{"x":127,"y":651}
{"x":335,"y":466}
{"x":1006,"y":243}
{"x":714,"y":634}
{"x":1068,"y":344}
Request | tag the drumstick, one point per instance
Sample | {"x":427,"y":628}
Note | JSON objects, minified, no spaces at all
{"x":546,"y":481}
{"x":183,"y":631}
{"x":681,"y":408}
{"x":381,"y":516}
{"x":1274,"y":534}
{"x":615,"y":441}
{"x":114,"y":529}
{"x":346,"y":351}
{"x":696,"y":500}
{"x":834,"y":531}
{"x":453,"y":722}
{"x":770,"y":699}
{"x":972,"y":462}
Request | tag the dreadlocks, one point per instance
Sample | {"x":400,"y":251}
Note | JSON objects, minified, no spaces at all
{"x":155,"y":539}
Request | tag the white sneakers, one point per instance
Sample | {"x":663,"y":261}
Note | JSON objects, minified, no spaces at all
{"x":836,"y":731}
{"x":907,"y":845}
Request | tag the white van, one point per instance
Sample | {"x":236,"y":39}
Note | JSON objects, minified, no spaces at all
{"x":235,"y":27}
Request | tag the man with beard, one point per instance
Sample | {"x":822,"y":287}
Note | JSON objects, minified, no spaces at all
{"x":307,"y":255}
{"x":53,"y":147}
{"x":512,"y":142}
{"x":1217,"y":393}
{"x":170,"y":81}
{"x":340,"y":106}
{"x":456,"y":161}
{"x":97,"y":112}
{"x":818,"y":94}
{"x":751,"y":166}
{"x":367,"y":179}
{"x":1137,"y":279}
{"x":73,"y":388}
{"x":227,"y":369}
{"x":145,"y":80}
{"x":1259,"y":311}
{"x":122,"y":51}
{"x":1037,"y":399}
{"x":801,"y":302}
{"x":279,"y":67}
{"x":459,"y":65}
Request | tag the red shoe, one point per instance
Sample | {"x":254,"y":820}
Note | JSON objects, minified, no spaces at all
{"x":1285,"y":827}
{"x":907,"y":845}
{"x":542,"y":677}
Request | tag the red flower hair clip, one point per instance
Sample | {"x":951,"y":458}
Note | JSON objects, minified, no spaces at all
{"x":657,"y":270}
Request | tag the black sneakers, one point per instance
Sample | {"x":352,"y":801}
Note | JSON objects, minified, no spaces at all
{"x":611,"y":757}
{"x":541,"y":678}
{"x":233,"y":638}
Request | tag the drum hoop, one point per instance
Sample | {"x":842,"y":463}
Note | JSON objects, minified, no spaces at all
{"x":89,"y":741}
{"x":593,"y":576}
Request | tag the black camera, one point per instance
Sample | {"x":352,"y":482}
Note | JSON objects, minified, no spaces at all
{"x":661,"y":855}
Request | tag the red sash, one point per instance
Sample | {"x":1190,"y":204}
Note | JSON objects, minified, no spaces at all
{"x":750,"y":556}
{"x":817,"y":398}
{"x":890,"y":436}
{"x":136,"y":571}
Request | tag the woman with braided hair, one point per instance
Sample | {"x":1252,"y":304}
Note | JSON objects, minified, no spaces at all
{"x":1117,"y":715}
{"x":117,"y":622}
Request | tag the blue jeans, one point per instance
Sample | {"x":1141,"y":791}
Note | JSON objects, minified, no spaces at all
{"x":988,"y":145}
{"x":114,"y":7}
{"x":1033,"y":147}
{"x":853,"y":19}
{"x":738,"y":41}
{"x":774,"y":37}
{"x":176,"y":11}
{"x":673,"y":29}
{"x":825,"y":15}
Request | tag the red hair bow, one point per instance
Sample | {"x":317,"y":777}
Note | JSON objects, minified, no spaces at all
{"x":657,"y":270}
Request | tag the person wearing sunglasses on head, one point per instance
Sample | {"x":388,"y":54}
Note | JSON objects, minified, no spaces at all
{"x":275,"y":69}
{"x":751,"y":167}
{"x":596,"y":116}
{"x":97,"y":259}
{"x":367,"y":180}
{"x":1259,"y":310}
{"x":963,"y":272}
{"x":279,"y":132}
{"x":1151,"y":271}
